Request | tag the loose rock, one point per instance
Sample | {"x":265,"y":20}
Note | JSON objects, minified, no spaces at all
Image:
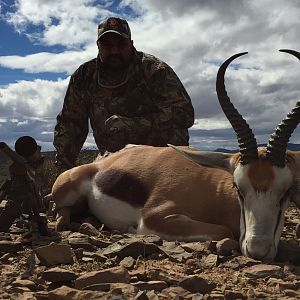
{"x":197,"y":284}
{"x":227,"y":246}
{"x":24,"y":283}
{"x":117,"y":274}
{"x":88,"y":229}
{"x":263,"y":271}
{"x":58,"y":274}
{"x":210,"y":261}
{"x":10,"y":246}
{"x":54,"y":254}
{"x":79,"y":240}
{"x":151,"y":285}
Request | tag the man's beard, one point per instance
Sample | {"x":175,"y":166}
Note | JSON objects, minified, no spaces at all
{"x":116,"y":63}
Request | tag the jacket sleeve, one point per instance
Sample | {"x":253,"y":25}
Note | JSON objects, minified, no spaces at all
{"x":173,"y":103}
{"x":72,"y":125}
{"x":173,"y":106}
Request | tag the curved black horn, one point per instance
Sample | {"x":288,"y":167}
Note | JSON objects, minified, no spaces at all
{"x":246,"y":140}
{"x":278,"y":141}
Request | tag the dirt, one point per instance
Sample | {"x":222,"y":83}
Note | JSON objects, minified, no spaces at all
{"x":141,"y":267}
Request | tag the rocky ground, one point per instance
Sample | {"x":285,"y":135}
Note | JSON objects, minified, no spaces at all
{"x":89,"y":262}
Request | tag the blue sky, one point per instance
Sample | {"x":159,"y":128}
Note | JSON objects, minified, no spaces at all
{"x":43,"y":42}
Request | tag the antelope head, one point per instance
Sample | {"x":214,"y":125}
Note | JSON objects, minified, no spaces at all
{"x":265,"y":179}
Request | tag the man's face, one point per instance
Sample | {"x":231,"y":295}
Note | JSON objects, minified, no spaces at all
{"x":115,"y":51}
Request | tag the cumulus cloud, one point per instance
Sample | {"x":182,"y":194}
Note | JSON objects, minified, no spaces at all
{"x":194,"y":37}
{"x":30,"y":108}
{"x":48,"y":62}
{"x":69,"y":22}
{"x":38,"y":98}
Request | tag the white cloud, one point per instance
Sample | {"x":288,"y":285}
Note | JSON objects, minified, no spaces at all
{"x":49,"y":62}
{"x":193,"y":36}
{"x":38,"y":98}
{"x":69,"y":22}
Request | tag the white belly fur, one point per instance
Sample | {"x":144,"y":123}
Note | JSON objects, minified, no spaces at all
{"x":113,"y":213}
{"x":143,"y":229}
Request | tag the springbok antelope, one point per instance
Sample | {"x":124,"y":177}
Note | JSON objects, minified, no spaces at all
{"x":181,"y":193}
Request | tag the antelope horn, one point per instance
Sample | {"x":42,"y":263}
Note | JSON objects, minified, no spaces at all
{"x":278,"y":141}
{"x":246,"y":139}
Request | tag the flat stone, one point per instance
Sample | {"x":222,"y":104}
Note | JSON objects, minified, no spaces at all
{"x":141,"y":295}
{"x":261,"y":295}
{"x":263,"y":271}
{"x":283,"y":285}
{"x":99,"y":242}
{"x":5,"y":236}
{"x":127,"y":262}
{"x":87,"y":259}
{"x":210,"y":261}
{"x":230,"y":295}
{"x":226,"y":246}
{"x":58,"y":274}
{"x":197,"y":284}
{"x":88,"y":229}
{"x":94,"y":222}
{"x":78,"y":240}
{"x":160,"y":275}
{"x":5,"y":257}
{"x":216,"y":296}
{"x":24,"y":283}
{"x":87,"y":253}
{"x":196,"y":246}
{"x":175,"y":252}
{"x":67,"y":293}
{"x":155,"y":285}
{"x":112,"y":275}
{"x":176,"y":292}
{"x":10,"y":246}
{"x":98,"y":257}
{"x":138,"y":274}
{"x":54,"y":254}
{"x":103,"y":287}
{"x":19,"y":289}
{"x":147,"y":238}
{"x":240,"y":262}
{"x":292,"y":293}
{"x":130,"y":247}
{"x":128,"y":291}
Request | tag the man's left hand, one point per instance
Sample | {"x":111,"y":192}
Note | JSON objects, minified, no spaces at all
{"x":116,"y":124}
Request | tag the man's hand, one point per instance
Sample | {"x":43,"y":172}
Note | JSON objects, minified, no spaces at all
{"x":118,"y":130}
{"x":116,"y":124}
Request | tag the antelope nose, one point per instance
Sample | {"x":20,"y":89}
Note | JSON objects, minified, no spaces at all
{"x":258,"y":248}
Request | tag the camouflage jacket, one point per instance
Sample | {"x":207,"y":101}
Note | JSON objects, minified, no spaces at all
{"x":149,"y":98}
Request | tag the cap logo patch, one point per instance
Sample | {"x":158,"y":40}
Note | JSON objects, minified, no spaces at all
{"x":112,"y":23}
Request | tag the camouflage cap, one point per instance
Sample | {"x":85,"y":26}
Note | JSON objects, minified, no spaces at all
{"x":115,"y":25}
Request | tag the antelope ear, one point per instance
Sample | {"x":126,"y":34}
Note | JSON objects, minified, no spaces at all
{"x":210,"y":159}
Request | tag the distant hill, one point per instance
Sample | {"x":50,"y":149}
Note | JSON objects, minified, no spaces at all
{"x":291,"y":146}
